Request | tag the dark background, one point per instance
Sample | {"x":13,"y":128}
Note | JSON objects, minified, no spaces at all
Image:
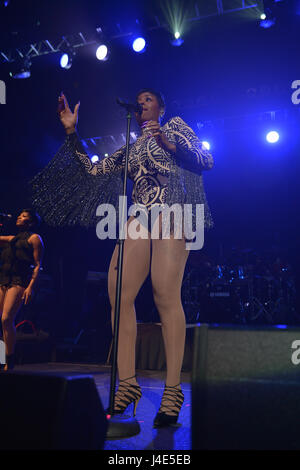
{"x":228,"y":75}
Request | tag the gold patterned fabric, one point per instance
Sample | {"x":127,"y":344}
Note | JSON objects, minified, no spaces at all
{"x":70,"y":188}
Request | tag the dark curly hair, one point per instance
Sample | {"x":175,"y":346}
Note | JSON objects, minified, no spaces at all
{"x":34,"y":217}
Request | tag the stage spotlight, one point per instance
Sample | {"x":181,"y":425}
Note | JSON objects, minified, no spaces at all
{"x":64,"y":61}
{"x":206,"y":144}
{"x":95,"y":158}
{"x":20,"y":68}
{"x":177,"y":40}
{"x":102,"y":52}
{"x":267,"y":19}
{"x":272,"y":137}
{"x":67,"y":57}
{"x":139,"y":44}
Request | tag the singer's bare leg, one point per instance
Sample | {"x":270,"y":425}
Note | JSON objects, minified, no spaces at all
{"x":136,"y":265}
{"x":167,"y":268}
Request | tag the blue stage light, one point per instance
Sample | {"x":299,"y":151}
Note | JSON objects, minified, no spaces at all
{"x":272,"y":137}
{"x":20,"y":68}
{"x":267,"y":19}
{"x":102,"y":52}
{"x":177,"y":40}
{"x":65,"y":61}
{"x":139,"y":44}
{"x":267,"y":23}
{"x":206,"y":145}
{"x":95,"y":158}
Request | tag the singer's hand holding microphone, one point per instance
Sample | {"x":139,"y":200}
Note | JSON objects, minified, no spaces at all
{"x":153,"y":127}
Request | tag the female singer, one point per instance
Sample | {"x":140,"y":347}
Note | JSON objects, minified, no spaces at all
{"x":165,"y":164}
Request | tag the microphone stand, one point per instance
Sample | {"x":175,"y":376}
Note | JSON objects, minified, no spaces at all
{"x":119,"y":425}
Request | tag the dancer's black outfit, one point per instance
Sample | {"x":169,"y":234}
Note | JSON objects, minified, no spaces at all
{"x":16,"y":265}
{"x":17,"y":261}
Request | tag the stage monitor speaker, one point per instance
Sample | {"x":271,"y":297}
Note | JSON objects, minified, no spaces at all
{"x":50,"y":411}
{"x":246,"y":388}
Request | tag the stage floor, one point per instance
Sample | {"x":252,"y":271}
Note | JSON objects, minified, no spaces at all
{"x":152,"y":384}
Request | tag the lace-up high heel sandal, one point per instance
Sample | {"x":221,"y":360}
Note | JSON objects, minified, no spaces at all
{"x":127,"y":393}
{"x":170,"y":407}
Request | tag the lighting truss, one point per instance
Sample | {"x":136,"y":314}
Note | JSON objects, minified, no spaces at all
{"x":81,"y":39}
{"x":46,"y":47}
{"x":220,"y":9}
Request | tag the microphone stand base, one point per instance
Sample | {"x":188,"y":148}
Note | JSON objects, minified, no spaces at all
{"x":121,"y":427}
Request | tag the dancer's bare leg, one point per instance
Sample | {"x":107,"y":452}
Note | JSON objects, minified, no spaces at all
{"x":2,"y":297}
{"x":11,"y":305}
{"x":3,"y":290}
{"x":136,"y":265}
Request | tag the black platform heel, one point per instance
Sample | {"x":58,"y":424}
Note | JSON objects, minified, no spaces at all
{"x":126,"y":394}
{"x":169,"y":417}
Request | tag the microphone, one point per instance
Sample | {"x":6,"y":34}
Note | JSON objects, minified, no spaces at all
{"x":5,"y":216}
{"x":130,"y":107}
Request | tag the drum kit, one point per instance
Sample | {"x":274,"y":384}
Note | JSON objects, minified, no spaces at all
{"x":247,"y":288}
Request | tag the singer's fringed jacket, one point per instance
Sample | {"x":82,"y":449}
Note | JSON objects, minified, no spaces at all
{"x":70,"y":188}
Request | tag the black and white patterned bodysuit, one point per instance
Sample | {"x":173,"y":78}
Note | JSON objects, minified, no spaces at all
{"x":149,"y":164}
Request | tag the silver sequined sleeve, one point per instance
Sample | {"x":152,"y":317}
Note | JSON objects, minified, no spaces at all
{"x":185,"y":184}
{"x":108,"y":165}
{"x":190,"y":153}
{"x":66,"y":192}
